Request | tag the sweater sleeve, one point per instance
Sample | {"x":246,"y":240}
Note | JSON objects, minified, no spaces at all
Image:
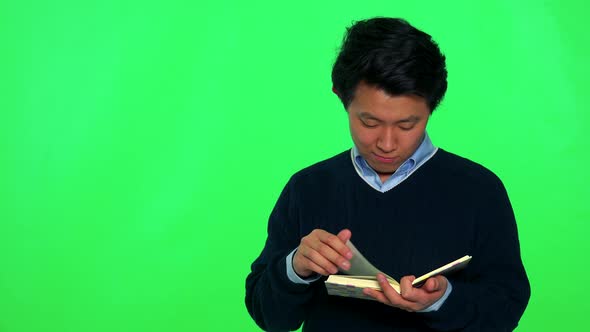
{"x":272,"y":299}
{"x":496,"y":290}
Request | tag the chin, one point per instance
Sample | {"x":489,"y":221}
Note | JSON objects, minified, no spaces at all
{"x":382,"y":171}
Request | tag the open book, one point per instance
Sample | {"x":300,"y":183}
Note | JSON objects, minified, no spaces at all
{"x":362,"y":274}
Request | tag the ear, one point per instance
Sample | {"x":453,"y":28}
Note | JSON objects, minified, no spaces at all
{"x":335,"y":91}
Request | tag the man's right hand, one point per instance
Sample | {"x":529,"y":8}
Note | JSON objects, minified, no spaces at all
{"x":322,"y":252}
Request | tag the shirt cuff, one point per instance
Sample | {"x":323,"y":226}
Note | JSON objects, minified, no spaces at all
{"x":436,"y":305}
{"x":296,"y":278}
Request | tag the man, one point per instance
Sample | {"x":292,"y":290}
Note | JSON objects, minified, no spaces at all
{"x":407,"y":205}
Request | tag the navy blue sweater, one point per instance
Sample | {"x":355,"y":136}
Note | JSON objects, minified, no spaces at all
{"x":448,"y":208}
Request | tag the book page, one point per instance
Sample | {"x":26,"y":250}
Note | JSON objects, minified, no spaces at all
{"x":362,"y":275}
{"x":336,"y":284}
{"x":360,"y":266}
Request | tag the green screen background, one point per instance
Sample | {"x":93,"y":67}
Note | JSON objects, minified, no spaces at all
{"x":143,"y":145}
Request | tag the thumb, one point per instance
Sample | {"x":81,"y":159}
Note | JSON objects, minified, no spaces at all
{"x":344,"y":235}
{"x":431,"y":285}
{"x":434,"y":284}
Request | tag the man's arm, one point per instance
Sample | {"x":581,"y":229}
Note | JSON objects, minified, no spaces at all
{"x":495,"y":290}
{"x":495,"y":294}
{"x":274,"y":301}
{"x":273,"y":298}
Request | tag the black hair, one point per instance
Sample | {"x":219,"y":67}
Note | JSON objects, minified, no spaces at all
{"x":392,"y":55}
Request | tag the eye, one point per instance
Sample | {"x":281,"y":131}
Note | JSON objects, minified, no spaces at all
{"x":406,"y":127}
{"x":368,"y":123}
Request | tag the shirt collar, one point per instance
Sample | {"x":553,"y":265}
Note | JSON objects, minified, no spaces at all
{"x":419,"y":157}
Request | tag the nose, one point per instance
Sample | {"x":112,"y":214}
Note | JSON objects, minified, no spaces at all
{"x":387,"y":141}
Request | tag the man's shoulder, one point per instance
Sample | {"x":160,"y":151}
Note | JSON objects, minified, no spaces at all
{"x":460,"y":167}
{"x":336,"y":166}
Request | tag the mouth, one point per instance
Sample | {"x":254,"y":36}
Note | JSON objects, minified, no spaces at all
{"x":387,"y":160}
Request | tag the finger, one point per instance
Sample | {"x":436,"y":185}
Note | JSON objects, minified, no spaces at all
{"x":393,"y":298}
{"x":330,"y":246}
{"x":435,"y":284}
{"x":303,"y":266}
{"x":418,"y":298}
{"x":431,"y":285}
{"x":313,"y":249}
{"x":317,"y":269}
{"x":344,"y":235}
{"x":336,"y":244}
{"x":388,"y":291}
{"x":377,"y":295}
{"x":319,"y":259}
{"x":326,"y":252}
{"x":406,"y":288}
{"x":334,"y":257}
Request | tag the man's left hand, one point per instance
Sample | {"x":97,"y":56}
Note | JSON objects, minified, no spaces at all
{"x":411,"y":299}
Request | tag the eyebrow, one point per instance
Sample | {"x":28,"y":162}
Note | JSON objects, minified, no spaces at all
{"x":366,"y":115}
{"x":411,"y":118}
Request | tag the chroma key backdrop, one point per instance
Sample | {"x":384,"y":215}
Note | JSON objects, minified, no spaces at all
{"x":143,"y":145}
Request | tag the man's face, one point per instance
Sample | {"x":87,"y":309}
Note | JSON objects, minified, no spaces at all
{"x":386,"y":129}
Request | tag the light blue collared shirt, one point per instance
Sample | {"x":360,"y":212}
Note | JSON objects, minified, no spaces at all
{"x":422,"y":154}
